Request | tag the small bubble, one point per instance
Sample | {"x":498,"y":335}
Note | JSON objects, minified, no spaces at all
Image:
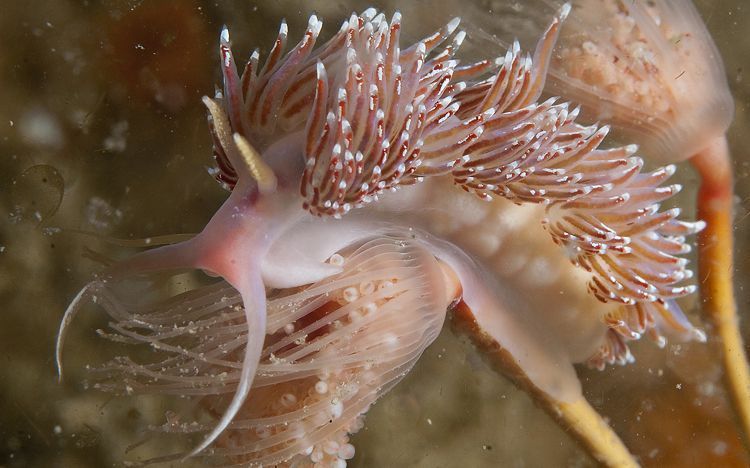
{"x":321,"y":387}
{"x":351,"y":294}
{"x":719,"y":448}
{"x":317,"y":455}
{"x":36,"y":194}
{"x":331,"y":447}
{"x":288,"y":400}
{"x":346,"y":451}
{"x":336,"y":259}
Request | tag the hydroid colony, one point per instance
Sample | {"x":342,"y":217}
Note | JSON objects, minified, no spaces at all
{"x":340,"y":250}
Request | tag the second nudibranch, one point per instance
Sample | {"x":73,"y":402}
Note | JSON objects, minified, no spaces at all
{"x":652,"y":70}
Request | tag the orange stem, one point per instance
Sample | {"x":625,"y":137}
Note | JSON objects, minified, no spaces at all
{"x":578,"y":417}
{"x":716,"y":268}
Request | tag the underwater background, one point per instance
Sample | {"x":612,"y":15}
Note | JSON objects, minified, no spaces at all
{"x":102,"y":130}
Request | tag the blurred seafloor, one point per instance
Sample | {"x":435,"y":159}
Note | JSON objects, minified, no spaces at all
{"x":102,"y":129}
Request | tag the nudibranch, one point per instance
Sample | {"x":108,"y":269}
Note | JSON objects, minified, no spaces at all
{"x":370,"y":189}
{"x":652,"y":70}
{"x":649,"y":68}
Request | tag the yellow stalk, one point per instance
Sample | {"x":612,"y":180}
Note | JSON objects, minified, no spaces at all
{"x":578,"y":417}
{"x":716,"y":268}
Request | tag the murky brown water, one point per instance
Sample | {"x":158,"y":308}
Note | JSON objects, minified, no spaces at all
{"x":102,"y":130}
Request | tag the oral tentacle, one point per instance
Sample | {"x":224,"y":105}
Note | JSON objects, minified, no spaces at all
{"x":232,"y":245}
{"x":70,"y":312}
{"x":253,"y":295}
{"x":168,"y":257}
